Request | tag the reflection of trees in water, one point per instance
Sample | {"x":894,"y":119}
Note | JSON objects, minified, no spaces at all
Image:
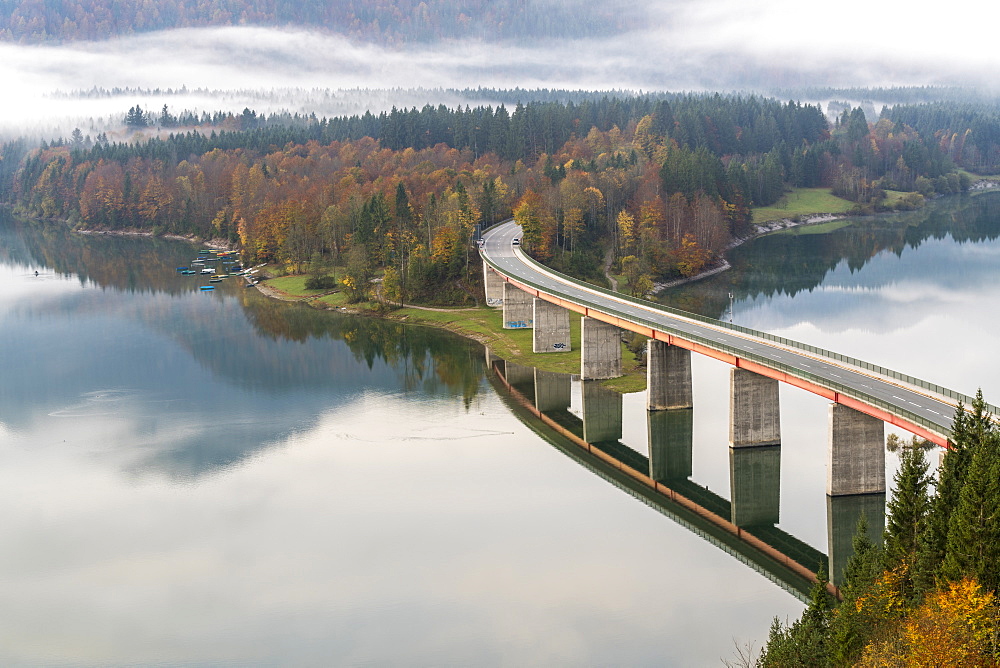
{"x":217,"y":334}
{"x":429,"y":359}
{"x":127,"y":263}
{"x":793,"y":263}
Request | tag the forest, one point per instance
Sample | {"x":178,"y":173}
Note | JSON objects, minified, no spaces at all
{"x":924,"y":594}
{"x":659,"y":185}
{"x":389,"y":23}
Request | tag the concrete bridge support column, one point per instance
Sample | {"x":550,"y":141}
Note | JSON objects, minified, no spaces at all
{"x":552,"y":391}
{"x":517,"y":308}
{"x":601,"y":352}
{"x":754,"y":416}
{"x":842,"y":513}
{"x":602,"y":414}
{"x":857,"y":453}
{"x":493,"y":285}
{"x":755,"y":484}
{"x":670,"y":441}
{"x":551,"y":323}
{"x":668,"y":376}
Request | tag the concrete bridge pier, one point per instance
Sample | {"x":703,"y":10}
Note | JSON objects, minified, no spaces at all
{"x":493,"y":285}
{"x":551,"y":328}
{"x":602,"y":414}
{"x":668,"y":376}
{"x":601,"y":350}
{"x":856,"y":463}
{"x":517,"y":308}
{"x":842,"y":513}
{"x":670,"y":444}
{"x":552,"y":391}
{"x":755,"y":485}
{"x":754,"y":416}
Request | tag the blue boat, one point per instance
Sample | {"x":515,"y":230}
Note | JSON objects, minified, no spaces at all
{"x":182,"y":268}
{"x":207,"y":287}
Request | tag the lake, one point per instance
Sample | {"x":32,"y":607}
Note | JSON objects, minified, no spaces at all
{"x":217,"y":478}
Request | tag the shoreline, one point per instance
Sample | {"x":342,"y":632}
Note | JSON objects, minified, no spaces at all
{"x":762,"y":229}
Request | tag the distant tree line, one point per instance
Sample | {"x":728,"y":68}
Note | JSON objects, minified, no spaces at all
{"x":665,"y":182}
{"x":379,"y":21}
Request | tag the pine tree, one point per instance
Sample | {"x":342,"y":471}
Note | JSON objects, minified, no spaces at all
{"x":851,"y":625}
{"x":908,"y":508}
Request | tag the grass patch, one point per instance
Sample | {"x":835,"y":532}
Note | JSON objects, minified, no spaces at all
{"x":483,"y":324}
{"x":802,"y":202}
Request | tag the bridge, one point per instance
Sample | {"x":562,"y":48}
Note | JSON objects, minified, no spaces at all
{"x":746,"y":525}
{"x":863,"y":396}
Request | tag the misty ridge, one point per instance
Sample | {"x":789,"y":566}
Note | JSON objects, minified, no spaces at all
{"x":334,"y":59}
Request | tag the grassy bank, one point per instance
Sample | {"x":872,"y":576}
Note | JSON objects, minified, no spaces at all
{"x":802,"y":202}
{"x":483,"y":324}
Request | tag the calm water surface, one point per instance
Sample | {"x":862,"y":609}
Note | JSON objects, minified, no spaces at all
{"x":221,"y":479}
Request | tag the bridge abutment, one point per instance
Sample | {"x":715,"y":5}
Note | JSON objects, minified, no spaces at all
{"x":551,"y":328}
{"x":602,"y":414}
{"x":856,"y":463}
{"x":517,"y":308}
{"x":493,"y":286}
{"x":754,"y":415}
{"x":601,"y":350}
{"x":670,"y":444}
{"x":668,"y":376}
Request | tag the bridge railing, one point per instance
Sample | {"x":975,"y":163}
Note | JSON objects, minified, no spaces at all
{"x":760,"y":359}
{"x":788,"y":343}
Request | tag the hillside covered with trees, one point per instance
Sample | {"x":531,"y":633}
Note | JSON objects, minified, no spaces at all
{"x":661,"y":184}
{"x":382,"y":22}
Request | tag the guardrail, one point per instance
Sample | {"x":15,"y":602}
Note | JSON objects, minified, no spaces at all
{"x":760,"y":359}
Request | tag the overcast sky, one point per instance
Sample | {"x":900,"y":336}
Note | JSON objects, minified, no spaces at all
{"x":688,"y":45}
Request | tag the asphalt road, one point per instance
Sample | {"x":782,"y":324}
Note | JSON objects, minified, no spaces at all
{"x":905,"y":403}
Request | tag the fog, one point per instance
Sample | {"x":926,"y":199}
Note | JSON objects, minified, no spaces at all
{"x":687,"y":45}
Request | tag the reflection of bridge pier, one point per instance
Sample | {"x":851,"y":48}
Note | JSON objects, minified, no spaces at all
{"x":754,"y":448}
{"x":671,"y":438}
{"x":553,"y":391}
{"x":602,"y":414}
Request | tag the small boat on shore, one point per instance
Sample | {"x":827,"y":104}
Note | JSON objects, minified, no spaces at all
{"x":206,"y":287}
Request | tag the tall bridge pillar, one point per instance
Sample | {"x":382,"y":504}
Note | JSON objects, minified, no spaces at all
{"x":601,"y":351}
{"x":856,"y":463}
{"x":517,"y":308}
{"x":754,"y":416}
{"x":552,"y":390}
{"x":602,"y":414}
{"x":842,"y":513}
{"x":668,"y":376}
{"x":551,"y":323}
{"x":493,"y":285}
{"x":670,"y":444}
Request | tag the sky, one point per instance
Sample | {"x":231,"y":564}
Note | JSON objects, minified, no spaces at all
{"x":685,"y":45}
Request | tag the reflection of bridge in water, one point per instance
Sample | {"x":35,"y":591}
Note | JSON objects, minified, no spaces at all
{"x":745,"y":526}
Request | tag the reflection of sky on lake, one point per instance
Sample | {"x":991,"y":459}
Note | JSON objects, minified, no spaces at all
{"x":219,"y":479}
{"x":927,"y":311}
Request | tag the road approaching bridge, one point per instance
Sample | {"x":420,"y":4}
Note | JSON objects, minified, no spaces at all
{"x":917,"y":406}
